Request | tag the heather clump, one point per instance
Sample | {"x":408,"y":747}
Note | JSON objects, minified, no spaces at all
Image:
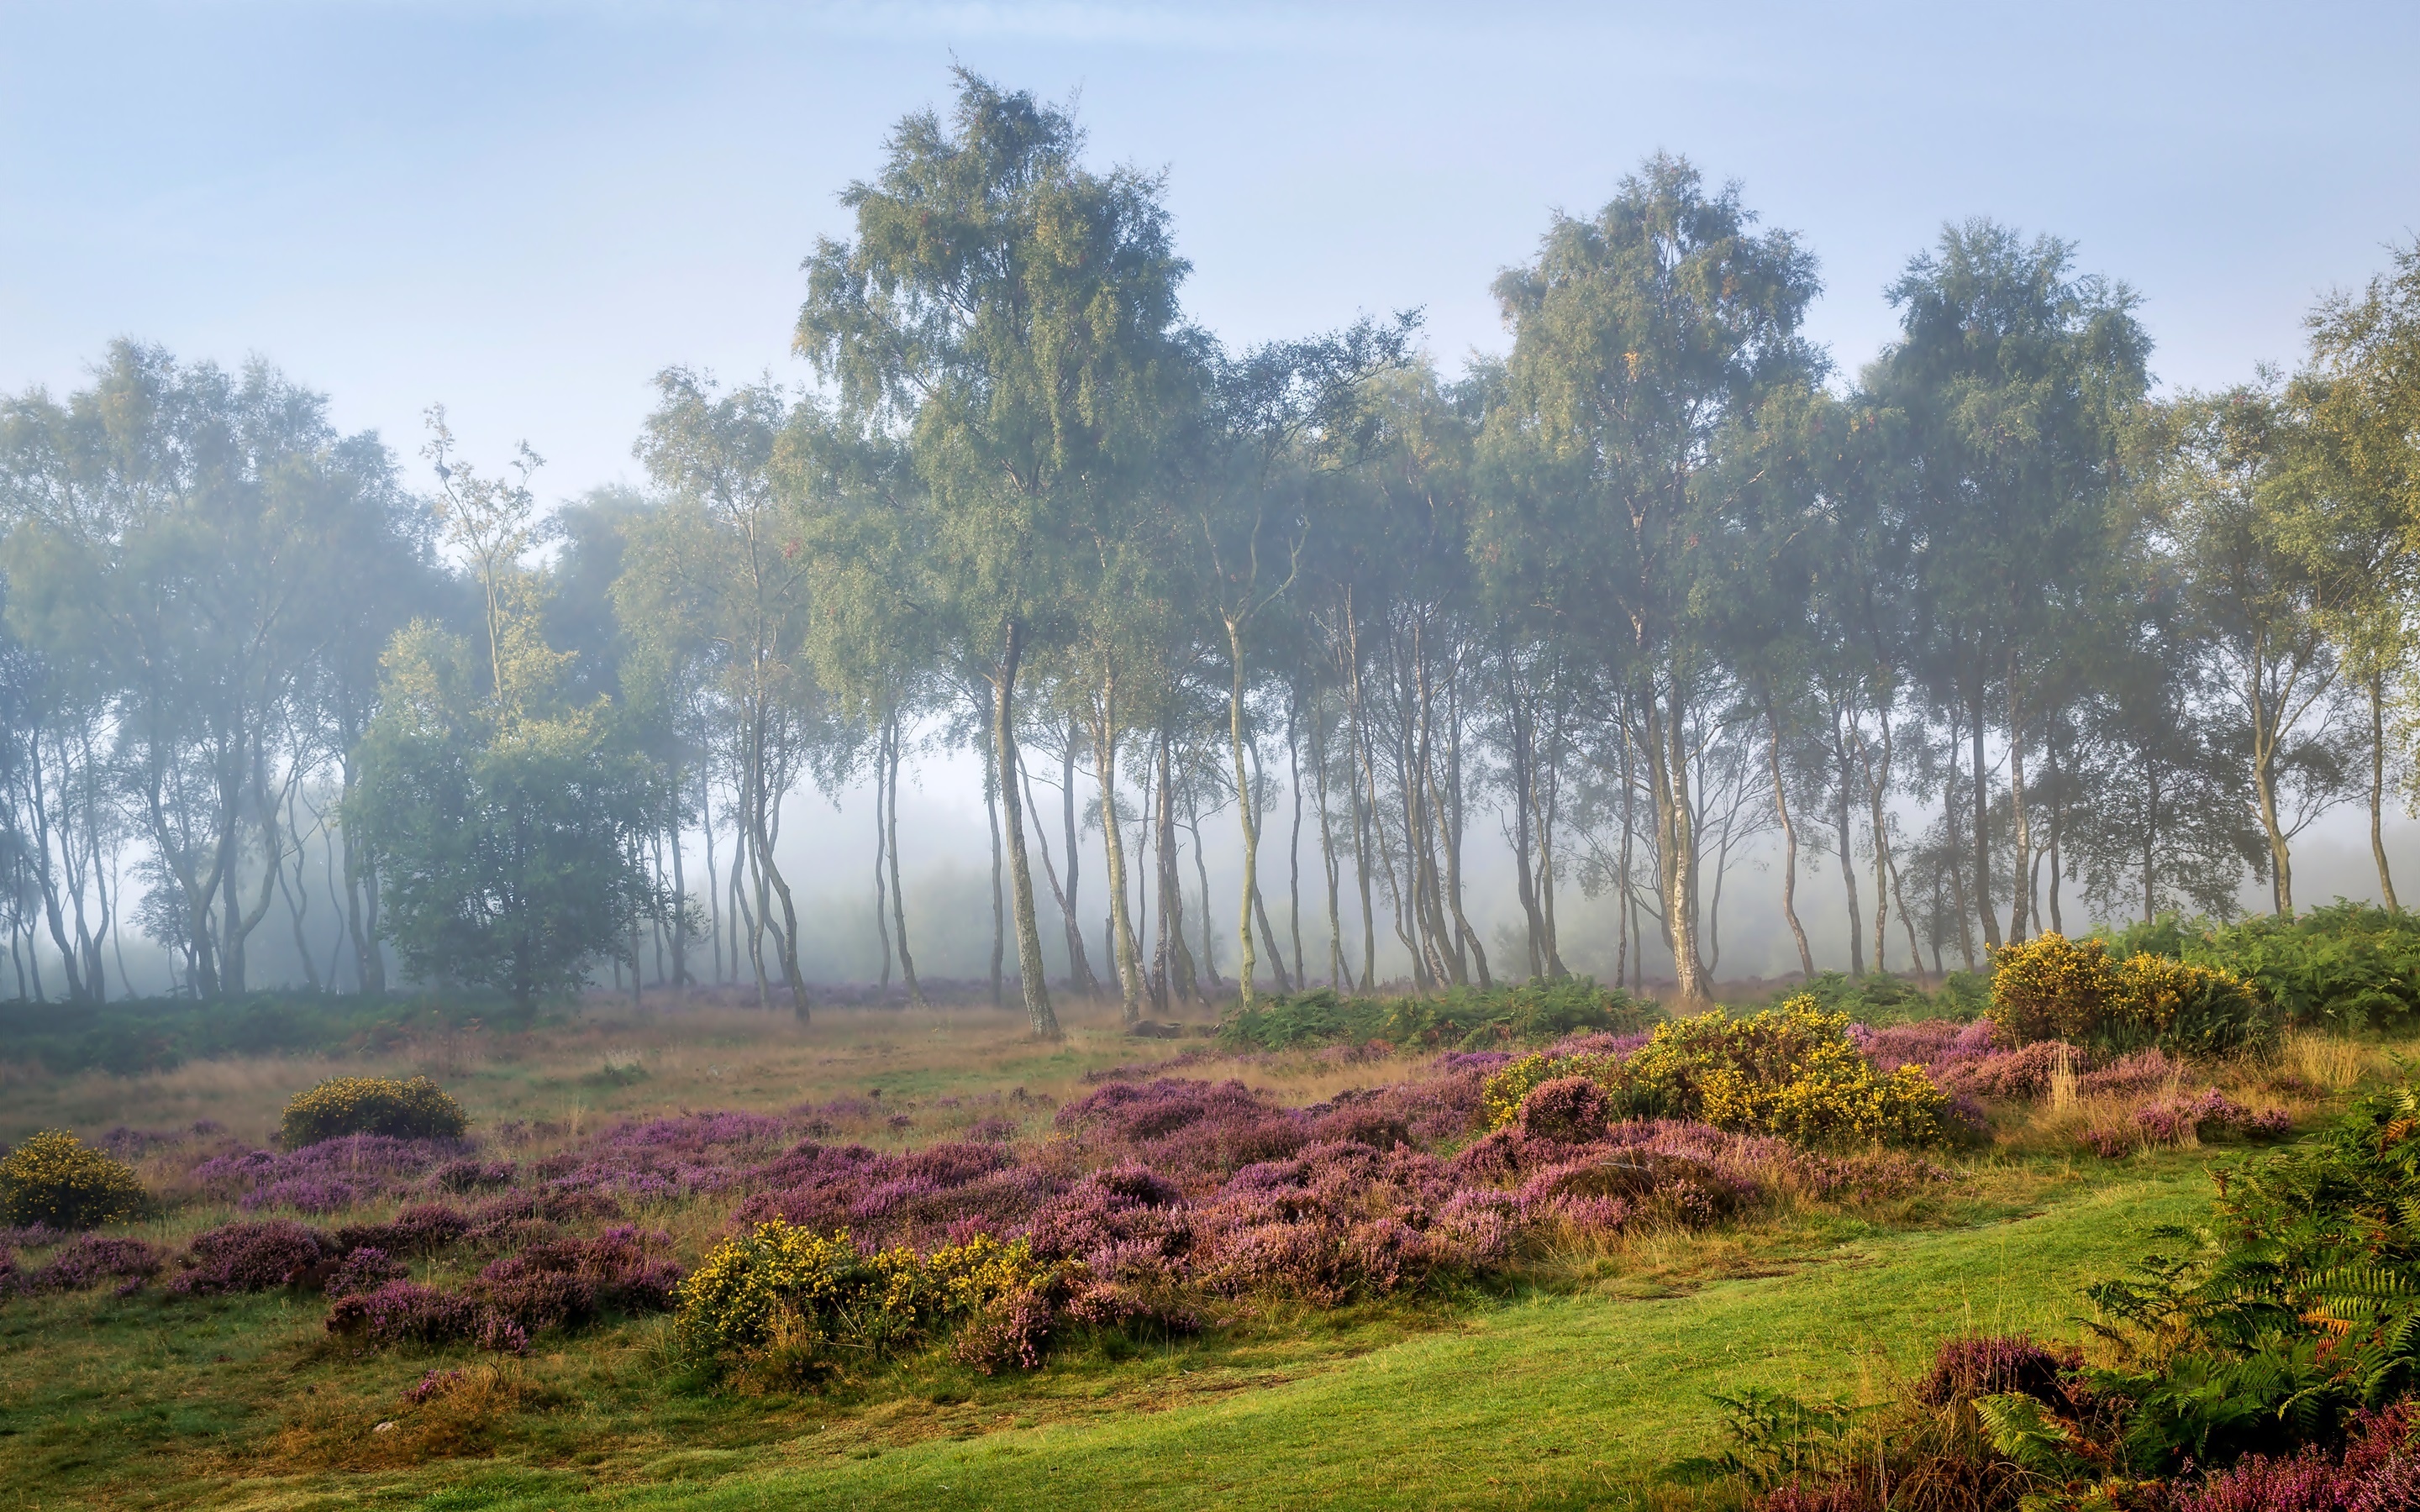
{"x":2185,"y":1121}
{"x":414,"y":1109}
{"x":421,"y":1230}
{"x":364,"y":1270}
{"x":1214,"y":1128}
{"x":1967,"y":1367}
{"x":563,"y":1284}
{"x":55,"y":1180}
{"x":328,"y":1177}
{"x":86,"y":1262}
{"x":251,"y":1257}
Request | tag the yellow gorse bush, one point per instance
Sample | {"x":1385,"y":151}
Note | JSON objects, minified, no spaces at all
{"x":416,"y":1109}
{"x":55,"y":1180}
{"x":777,"y":1284}
{"x":1504,"y":1092}
{"x":1791,"y":1071}
{"x":2054,"y":988}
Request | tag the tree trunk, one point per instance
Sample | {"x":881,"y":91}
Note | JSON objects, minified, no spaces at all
{"x":1020,"y":873}
{"x":1105,"y":763}
{"x":1788,"y":842}
{"x":882,"y":855}
{"x":2021,"y":880}
{"x":1848,"y":859}
{"x":2377,"y":789}
{"x":1676,"y":844}
{"x":891,"y":847}
{"x":1982,"y":904}
{"x":1079,"y":962}
{"x":1248,"y":807}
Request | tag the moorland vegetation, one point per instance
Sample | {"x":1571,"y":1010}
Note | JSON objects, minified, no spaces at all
{"x":490,"y":1303}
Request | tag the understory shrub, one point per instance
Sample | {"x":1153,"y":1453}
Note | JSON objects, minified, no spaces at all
{"x":791,"y":1299}
{"x":1466,"y":1017}
{"x":89,"y":1261}
{"x":2350,"y":964}
{"x":416,"y":1109}
{"x":563,"y":1284}
{"x":2270,"y":1364}
{"x":55,"y":1180}
{"x":2054,"y":988}
{"x":1793,"y":1072}
{"x":251,"y":1256}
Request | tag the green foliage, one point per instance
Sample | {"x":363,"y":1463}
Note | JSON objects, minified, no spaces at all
{"x":416,"y":1109}
{"x":1791,"y":1071}
{"x":1464,"y":1018}
{"x":2054,"y":988}
{"x":1878,"y":998}
{"x":508,"y":842}
{"x":1771,"y":1438}
{"x":132,"y":1035}
{"x":55,"y":1180}
{"x":2350,"y":965}
{"x":2303,"y":1304}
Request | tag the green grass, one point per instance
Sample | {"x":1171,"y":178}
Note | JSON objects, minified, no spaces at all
{"x":1580,"y":1396}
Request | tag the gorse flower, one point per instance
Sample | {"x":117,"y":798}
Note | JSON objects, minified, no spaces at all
{"x":416,"y":1109}
{"x":1793,"y":1071}
{"x":55,"y":1180}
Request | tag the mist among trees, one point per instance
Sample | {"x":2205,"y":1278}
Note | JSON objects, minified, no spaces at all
{"x":1985,"y":637}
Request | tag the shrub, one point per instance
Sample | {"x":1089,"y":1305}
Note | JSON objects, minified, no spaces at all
{"x":424,"y":1228}
{"x":2054,"y":988}
{"x":1528,"y":1013}
{"x":2350,"y":964}
{"x":1791,"y":1072}
{"x":416,"y":1109}
{"x":1965,"y":1368}
{"x":251,"y":1256}
{"x":1570,"y":1110}
{"x":55,"y":1180}
{"x":88,"y":1263}
{"x":785,"y":1291}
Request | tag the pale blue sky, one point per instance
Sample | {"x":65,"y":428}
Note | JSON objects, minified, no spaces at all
{"x":524,"y":209}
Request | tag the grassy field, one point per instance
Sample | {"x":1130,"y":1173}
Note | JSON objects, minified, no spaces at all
{"x":1581,"y":1386}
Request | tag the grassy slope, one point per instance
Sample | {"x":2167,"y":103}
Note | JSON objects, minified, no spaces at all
{"x":1552,"y":1401}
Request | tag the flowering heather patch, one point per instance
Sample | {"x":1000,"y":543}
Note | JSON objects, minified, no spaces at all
{"x":365,"y":1269}
{"x":695,"y":1154}
{"x":251,"y":1256}
{"x":2377,"y":1471}
{"x":433,"y":1384}
{"x":1928,"y":1043}
{"x":1992,"y":1365}
{"x":90,"y":1261}
{"x":2145,"y":1071}
{"x":328,"y":1177}
{"x":128,"y":1144}
{"x":2212,"y":1113}
{"x":1213,"y":1128}
{"x":2023,"y":1073}
{"x":1480,"y":1060}
{"x":465,"y":1176}
{"x":424,"y":1228}
{"x":561,"y":1283}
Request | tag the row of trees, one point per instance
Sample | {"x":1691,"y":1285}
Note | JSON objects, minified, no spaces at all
{"x":1985,"y":624}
